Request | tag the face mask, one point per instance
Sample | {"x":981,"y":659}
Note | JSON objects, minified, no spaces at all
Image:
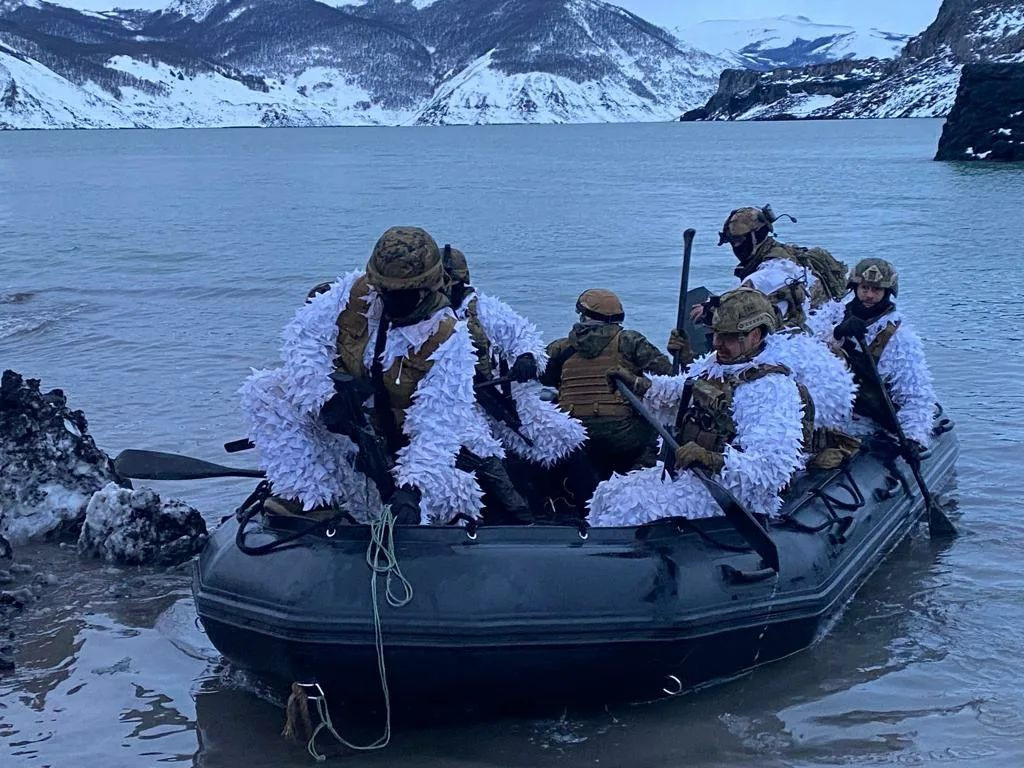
{"x":744,"y":249}
{"x":401,"y":304}
{"x":457,"y":293}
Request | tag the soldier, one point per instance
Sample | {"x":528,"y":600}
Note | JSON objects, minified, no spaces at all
{"x":584,"y":367}
{"x":519,"y":336}
{"x":742,"y":421}
{"x":796,"y":280}
{"x":395,"y":337}
{"x":895,"y":348}
{"x":507,"y":344}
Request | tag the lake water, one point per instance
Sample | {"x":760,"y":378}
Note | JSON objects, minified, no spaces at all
{"x":144,"y":272}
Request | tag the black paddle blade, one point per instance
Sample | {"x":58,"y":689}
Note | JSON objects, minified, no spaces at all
{"x":939,"y":524}
{"x":155,"y":465}
{"x":697,"y":334}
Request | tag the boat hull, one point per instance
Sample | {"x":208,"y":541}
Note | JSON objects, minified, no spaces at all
{"x":511,"y":616}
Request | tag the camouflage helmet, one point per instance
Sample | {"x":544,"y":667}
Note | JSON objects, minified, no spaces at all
{"x":742,"y":310}
{"x":405,"y":258}
{"x":742,"y":221}
{"x":455,"y":264}
{"x":875,"y":272}
{"x":599,"y":304}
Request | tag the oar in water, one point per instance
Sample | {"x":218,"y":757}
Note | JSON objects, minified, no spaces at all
{"x":156,"y":465}
{"x":938,"y":523}
{"x":745,"y":523}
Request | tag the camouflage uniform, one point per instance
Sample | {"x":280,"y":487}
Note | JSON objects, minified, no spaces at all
{"x":741,"y":420}
{"x":896,"y":351}
{"x":618,"y":439}
{"x":749,"y":231}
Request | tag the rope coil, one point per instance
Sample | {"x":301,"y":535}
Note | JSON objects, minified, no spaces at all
{"x":382,"y":560}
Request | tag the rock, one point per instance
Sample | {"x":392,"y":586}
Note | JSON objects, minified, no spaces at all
{"x":788,"y":93}
{"x":987,"y":121}
{"x":49,"y":464}
{"x":129,"y":527}
{"x":6,"y":577}
{"x":20,"y":568}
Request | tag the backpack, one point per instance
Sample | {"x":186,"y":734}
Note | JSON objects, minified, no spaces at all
{"x":829,"y":270}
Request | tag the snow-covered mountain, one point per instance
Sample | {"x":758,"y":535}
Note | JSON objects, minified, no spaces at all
{"x":342,"y":62}
{"x":921,"y":82}
{"x":789,"y":41}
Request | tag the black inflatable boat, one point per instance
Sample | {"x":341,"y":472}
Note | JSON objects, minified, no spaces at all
{"x":551,"y":613}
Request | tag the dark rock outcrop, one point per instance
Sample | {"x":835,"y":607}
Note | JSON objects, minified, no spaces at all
{"x":745,"y":94}
{"x":987,"y":121}
{"x":136,"y":528}
{"x":49,"y":463}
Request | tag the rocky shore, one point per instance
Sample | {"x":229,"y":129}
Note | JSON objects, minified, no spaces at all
{"x":56,"y":485}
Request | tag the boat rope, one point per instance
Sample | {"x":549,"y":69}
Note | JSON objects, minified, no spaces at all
{"x":382,"y":560}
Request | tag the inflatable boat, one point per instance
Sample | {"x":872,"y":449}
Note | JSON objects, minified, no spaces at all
{"x":520,"y":614}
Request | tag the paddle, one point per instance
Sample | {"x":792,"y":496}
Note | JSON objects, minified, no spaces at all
{"x":683,"y":311}
{"x":745,"y":523}
{"x":155,"y":465}
{"x":938,"y":523}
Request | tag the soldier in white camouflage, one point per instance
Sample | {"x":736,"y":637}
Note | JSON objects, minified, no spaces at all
{"x":797,"y":280}
{"x":894,"y":347}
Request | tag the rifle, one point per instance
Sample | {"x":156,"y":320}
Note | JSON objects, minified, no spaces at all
{"x":344,"y":414}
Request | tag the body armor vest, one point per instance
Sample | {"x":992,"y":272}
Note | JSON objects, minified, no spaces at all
{"x":404,"y":375}
{"x":708,"y":420}
{"x":583,"y":390}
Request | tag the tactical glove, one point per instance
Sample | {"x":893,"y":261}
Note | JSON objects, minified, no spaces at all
{"x":690,"y":454}
{"x":524,"y":368}
{"x":851,"y":327}
{"x":638,"y":385}
{"x":405,"y":505}
{"x":679,"y":346}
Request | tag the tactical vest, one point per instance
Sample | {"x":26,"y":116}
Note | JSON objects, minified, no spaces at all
{"x":405,"y":374}
{"x":870,"y":400}
{"x":353,"y":331}
{"x":481,"y":344}
{"x":830,"y":272}
{"x":708,"y":420}
{"x":583,"y":390}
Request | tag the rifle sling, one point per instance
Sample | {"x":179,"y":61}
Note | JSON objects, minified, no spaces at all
{"x":381,"y":398}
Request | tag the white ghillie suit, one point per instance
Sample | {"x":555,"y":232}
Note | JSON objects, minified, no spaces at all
{"x":759,"y":462}
{"x":811,"y":363}
{"x":774,"y":274}
{"x":826,"y":377}
{"x":823,"y":320}
{"x":904,"y":369}
{"x":554,"y":433}
{"x":305,"y":461}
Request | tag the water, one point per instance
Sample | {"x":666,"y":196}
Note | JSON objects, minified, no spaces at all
{"x":145,"y":272}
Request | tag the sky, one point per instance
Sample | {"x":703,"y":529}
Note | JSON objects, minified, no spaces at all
{"x":906,"y":16}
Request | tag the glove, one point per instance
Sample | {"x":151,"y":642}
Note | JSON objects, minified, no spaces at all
{"x":405,"y":506}
{"x":692,"y":455}
{"x":337,"y":417}
{"x":679,"y":345}
{"x":637,"y":384}
{"x":524,"y":368}
{"x":851,"y":328}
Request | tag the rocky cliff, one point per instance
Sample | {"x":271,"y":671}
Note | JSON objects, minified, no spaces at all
{"x":987,"y":121}
{"x":921,"y":82}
